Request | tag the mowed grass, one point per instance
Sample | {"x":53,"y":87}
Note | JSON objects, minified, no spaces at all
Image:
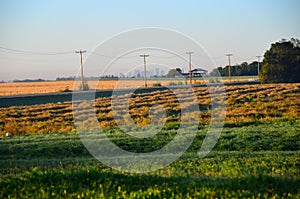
{"x":256,"y":161}
{"x":256,"y":156}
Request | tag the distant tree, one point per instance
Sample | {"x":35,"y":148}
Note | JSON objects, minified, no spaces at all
{"x":65,"y":78}
{"x":253,"y":68}
{"x":30,"y":80}
{"x":282,"y":62}
{"x":216,"y":72}
{"x":243,"y":69}
{"x":174,"y":72}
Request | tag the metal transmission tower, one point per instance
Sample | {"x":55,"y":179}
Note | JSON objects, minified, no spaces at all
{"x":258,"y":59}
{"x":145,"y":78}
{"x":81,"y":67}
{"x":229,"y":66}
{"x":190,"y":65}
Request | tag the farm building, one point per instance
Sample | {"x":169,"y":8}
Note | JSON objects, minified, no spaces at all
{"x":197,"y":72}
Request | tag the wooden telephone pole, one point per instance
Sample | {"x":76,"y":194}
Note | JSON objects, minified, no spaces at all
{"x":145,"y":78}
{"x":81,"y":67}
{"x":190,"y":65}
{"x":229,"y":66}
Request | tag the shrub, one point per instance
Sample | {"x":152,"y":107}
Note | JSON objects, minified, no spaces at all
{"x":65,"y":90}
{"x":156,"y":84}
{"x":85,"y":87}
{"x":12,"y":127}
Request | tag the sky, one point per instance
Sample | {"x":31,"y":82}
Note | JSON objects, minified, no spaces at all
{"x":38,"y":39}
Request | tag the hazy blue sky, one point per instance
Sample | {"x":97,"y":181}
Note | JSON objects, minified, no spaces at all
{"x":244,"y":28}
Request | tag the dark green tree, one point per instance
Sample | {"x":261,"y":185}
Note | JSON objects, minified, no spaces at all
{"x":216,"y":72}
{"x":174,"y":72}
{"x":243,"y":69}
{"x":281,"y":62}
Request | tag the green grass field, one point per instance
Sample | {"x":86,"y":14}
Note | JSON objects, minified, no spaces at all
{"x":250,"y":161}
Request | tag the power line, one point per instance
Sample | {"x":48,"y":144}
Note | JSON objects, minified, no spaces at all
{"x":190,"y":65}
{"x":112,"y":57}
{"x":166,"y":57}
{"x":81,"y":67}
{"x":94,"y":53}
{"x":145,"y":79}
{"x":242,"y":58}
{"x":217,"y":57}
{"x":33,"y":52}
{"x":229,"y":72}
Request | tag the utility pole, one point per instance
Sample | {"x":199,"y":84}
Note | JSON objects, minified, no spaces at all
{"x":229,"y":70}
{"x":190,"y":65}
{"x":145,"y":78}
{"x":81,"y":67}
{"x":258,"y":60}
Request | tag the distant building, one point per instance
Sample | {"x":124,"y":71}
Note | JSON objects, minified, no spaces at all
{"x":129,"y":75}
{"x":156,"y":72}
{"x":121,"y":75}
{"x":197,"y":72}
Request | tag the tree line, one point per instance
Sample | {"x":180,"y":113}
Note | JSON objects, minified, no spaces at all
{"x":243,"y":69}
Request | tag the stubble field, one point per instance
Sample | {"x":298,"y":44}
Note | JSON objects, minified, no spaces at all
{"x":19,"y":88}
